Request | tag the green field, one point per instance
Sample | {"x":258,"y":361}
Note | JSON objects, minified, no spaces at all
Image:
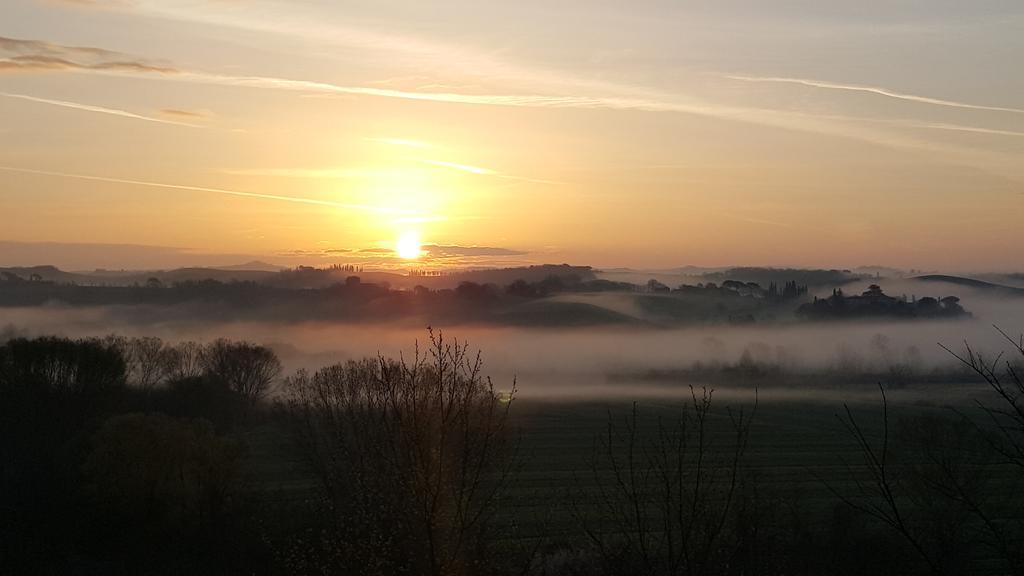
{"x":798,"y":449}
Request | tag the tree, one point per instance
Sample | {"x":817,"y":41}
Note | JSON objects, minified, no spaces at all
{"x":665,"y":497}
{"x":655,"y":286}
{"x":247,"y":369}
{"x":150,"y":361}
{"x":151,"y":465}
{"x":956,"y":504}
{"x":50,"y":389}
{"x":59,"y":368}
{"x":522,"y":289}
{"x":185,"y":360}
{"x":165,"y":489}
{"x":412,"y":457}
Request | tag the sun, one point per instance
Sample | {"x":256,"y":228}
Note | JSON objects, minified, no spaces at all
{"x":408,"y":246}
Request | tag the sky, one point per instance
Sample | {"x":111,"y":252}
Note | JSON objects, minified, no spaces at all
{"x":647,"y":134}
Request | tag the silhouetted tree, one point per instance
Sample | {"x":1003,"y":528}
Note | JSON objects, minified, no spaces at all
{"x":412,"y":457}
{"x":664,"y":501}
{"x":247,"y":369}
{"x":655,"y":286}
{"x":165,"y":489}
{"x":185,"y":360}
{"x":149,"y":360}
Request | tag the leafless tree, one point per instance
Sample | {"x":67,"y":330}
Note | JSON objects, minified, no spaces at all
{"x":185,"y":360}
{"x":880,"y":495}
{"x":248,"y":369}
{"x":413,"y":455}
{"x":1006,"y":379}
{"x":1002,"y":427}
{"x":664,"y":500}
{"x":151,"y":361}
{"x":950,"y":471}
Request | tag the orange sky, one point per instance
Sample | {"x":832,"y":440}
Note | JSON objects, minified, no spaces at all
{"x":665,"y":134}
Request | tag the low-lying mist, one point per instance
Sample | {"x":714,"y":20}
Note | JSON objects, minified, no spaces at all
{"x":589,"y":361}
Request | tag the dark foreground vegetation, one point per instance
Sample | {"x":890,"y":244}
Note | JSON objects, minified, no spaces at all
{"x":136,"y":456}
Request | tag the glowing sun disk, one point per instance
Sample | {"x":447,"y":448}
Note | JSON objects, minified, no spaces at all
{"x":408,"y":246}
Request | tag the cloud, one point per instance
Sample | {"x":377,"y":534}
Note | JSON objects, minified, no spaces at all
{"x":97,"y":109}
{"x":18,"y":55}
{"x":874,"y":90}
{"x":454,"y":166}
{"x":178,"y":113}
{"x":454,"y":250}
{"x":644,"y":101}
{"x":88,"y":256}
{"x":293,"y":199}
{"x":481,"y":171}
{"x":448,"y":252}
{"x":303,"y":172}
{"x":401,"y":142}
{"x":342,"y":172}
{"x":565,"y":92}
{"x":962,"y":128}
{"x":102,"y":4}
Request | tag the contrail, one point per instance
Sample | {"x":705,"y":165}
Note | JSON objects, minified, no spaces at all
{"x":974,"y":129}
{"x":874,"y":90}
{"x":99,"y":109}
{"x":481,"y":171}
{"x":524,"y":100}
{"x":454,"y":166}
{"x":296,"y":199}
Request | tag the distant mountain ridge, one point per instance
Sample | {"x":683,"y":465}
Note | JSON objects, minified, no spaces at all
{"x":253,"y":266}
{"x":971,"y":283}
{"x":296,"y":278}
{"x":48,"y":273}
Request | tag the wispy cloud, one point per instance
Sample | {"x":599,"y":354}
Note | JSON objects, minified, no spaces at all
{"x":646,"y":101}
{"x":294,"y":199}
{"x":97,"y":109}
{"x":874,"y":90}
{"x":19,"y":55}
{"x":455,"y":166}
{"x":345,"y":172}
{"x":303,"y":172}
{"x":649,"y":102}
{"x":565,"y":92}
{"x":455,"y":250}
{"x":102,"y":4}
{"x":401,"y":142}
{"x":179,"y":113}
{"x":962,"y":128}
{"x":436,"y":254}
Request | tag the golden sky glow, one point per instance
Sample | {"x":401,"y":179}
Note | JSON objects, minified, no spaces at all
{"x":658,"y":134}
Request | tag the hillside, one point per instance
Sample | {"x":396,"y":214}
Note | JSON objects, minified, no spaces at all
{"x":972,"y":283}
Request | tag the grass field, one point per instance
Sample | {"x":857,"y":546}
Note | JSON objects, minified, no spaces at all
{"x":798,"y":447}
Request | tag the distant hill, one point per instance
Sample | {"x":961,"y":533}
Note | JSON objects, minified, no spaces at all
{"x":254,"y":266}
{"x":130,"y":277}
{"x":564,"y":314}
{"x":972,"y":283}
{"x":45,"y":273}
{"x":303,"y":277}
{"x":503,"y":276}
{"x":766,"y":276}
